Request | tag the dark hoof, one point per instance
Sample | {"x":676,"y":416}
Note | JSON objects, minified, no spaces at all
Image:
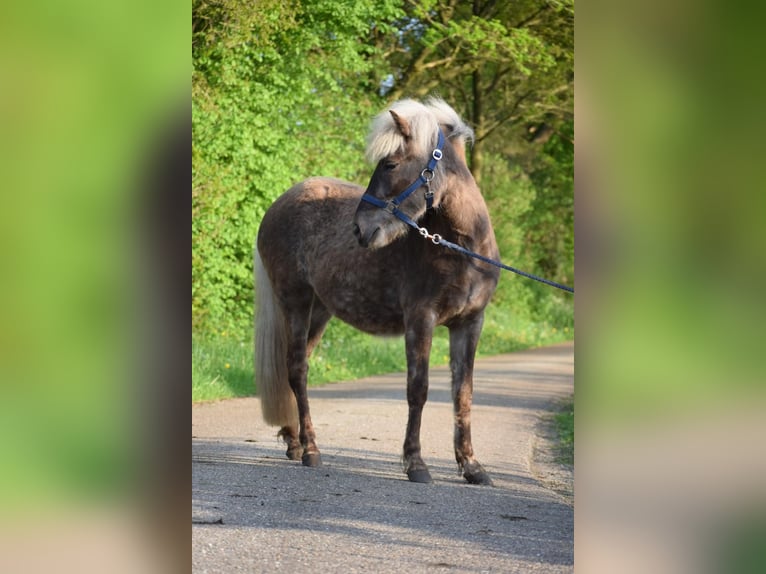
{"x":294,"y":447}
{"x":419,"y":475}
{"x":294,"y":452}
{"x":311,"y":459}
{"x":475,"y":474}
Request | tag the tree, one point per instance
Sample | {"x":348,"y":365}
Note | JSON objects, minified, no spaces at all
{"x":509,"y":66}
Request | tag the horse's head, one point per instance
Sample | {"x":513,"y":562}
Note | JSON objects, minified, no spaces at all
{"x":404,"y":144}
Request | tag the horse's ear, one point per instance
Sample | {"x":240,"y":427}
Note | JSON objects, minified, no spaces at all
{"x":401,"y":124}
{"x":458,"y":145}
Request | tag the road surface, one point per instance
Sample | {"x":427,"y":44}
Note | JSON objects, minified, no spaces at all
{"x":253,"y":510}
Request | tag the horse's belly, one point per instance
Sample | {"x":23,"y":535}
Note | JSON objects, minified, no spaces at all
{"x":372,"y":312}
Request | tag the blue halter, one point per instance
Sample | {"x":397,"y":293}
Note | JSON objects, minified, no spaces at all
{"x":392,"y":205}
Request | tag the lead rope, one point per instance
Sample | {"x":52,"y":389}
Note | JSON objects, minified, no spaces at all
{"x":437,"y":239}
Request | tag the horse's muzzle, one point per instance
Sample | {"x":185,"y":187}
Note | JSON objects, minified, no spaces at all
{"x":363,"y":240}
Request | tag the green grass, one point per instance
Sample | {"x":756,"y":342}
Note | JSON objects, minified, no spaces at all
{"x":222,"y":363}
{"x":564,"y":421}
{"x":222,"y":367}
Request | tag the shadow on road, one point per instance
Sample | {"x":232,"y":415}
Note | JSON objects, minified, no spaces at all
{"x":362,"y":494}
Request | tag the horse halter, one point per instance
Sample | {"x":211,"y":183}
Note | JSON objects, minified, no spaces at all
{"x":392,"y":205}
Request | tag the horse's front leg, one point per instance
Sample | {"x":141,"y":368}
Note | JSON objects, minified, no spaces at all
{"x":464,"y":338}
{"x":418,"y":335}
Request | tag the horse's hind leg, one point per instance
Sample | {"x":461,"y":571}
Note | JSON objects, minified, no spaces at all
{"x":294,"y":447}
{"x":320,"y":316}
{"x":305,"y":329}
{"x":464,"y":338}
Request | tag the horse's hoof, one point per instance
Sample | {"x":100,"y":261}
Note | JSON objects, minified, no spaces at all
{"x":294,"y":446}
{"x":419,"y":475}
{"x":475,"y":474}
{"x":295,"y":453}
{"x":311,"y":459}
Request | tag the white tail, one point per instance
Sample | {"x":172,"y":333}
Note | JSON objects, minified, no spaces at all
{"x":277,"y":398}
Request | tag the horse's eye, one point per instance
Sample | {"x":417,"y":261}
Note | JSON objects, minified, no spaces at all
{"x":390,"y":165}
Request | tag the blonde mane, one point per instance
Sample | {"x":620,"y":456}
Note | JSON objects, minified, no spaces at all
{"x":385,"y":138}
{"x":454,"y":128}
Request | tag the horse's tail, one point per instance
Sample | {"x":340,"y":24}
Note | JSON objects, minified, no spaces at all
{"x":277,"y":398}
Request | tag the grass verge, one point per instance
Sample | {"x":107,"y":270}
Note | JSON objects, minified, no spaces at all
{"x":222,"y":363}
{"x":564,"y":421}
{"x":222,"y":367}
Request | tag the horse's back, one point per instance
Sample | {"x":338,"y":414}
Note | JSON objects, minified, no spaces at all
{"x":310,"y":218}
{"x":304,"y":209}
{"x":313,"y":193}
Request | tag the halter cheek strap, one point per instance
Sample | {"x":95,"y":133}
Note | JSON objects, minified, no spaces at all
{"x":392,"y":206}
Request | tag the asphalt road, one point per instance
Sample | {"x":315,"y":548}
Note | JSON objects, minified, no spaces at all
{"x":253,"y":510}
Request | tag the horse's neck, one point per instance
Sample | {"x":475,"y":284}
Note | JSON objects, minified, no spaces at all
{"x":466,"y":212}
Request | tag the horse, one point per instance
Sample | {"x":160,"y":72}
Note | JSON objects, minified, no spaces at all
{"x":327,"y":247}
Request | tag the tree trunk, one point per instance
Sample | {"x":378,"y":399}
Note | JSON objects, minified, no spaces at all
{"x":477,"y":114}
{"x":477,"y":118}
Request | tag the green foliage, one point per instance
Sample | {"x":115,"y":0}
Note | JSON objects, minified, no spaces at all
{"x":503,"y":64}
{"x":533,"y":217}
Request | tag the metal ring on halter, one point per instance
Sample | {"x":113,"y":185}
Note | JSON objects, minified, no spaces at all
{"x":428,"y":178}
{"x":437,"y":154}
{"x":436,"y":239}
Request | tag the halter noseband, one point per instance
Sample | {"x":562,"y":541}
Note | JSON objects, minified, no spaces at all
{"x":392,"y":205}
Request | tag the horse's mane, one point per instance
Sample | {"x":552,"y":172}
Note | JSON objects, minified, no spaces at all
{"x":454,"y":128}
{"x":385,"y":139}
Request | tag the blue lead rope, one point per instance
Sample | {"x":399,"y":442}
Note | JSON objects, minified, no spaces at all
{"x":457,"y":247}
{"x":437,"y":239}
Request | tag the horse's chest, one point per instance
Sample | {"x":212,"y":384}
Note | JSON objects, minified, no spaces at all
{"x":462,"y":297}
